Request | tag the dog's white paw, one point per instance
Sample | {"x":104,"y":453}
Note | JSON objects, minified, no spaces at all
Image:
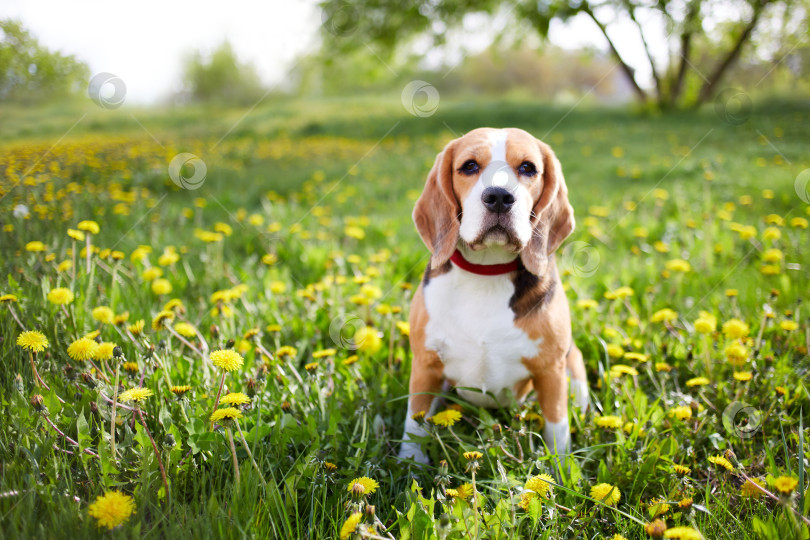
{"x":413,"y":451}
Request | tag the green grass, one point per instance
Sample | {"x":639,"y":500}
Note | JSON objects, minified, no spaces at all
{"x":310,"y":170}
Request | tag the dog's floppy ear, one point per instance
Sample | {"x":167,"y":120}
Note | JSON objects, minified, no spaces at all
{"x":552,"y":216}
{"x":437,"y":211}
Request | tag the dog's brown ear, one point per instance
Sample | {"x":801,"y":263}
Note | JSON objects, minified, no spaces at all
{"x":552,"y":216}
{"x":437,"y":212}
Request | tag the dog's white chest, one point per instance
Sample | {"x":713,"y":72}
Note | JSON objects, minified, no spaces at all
{"x":472,"y":329}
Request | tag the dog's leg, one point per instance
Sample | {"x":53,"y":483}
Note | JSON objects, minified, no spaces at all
{"x":551,"y":386}
{"x":426,"y":379}
{"x":579,"y":380}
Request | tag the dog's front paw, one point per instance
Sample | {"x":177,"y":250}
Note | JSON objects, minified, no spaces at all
{"x":413,"y":451}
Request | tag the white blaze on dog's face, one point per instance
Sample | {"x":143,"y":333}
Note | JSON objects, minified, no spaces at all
{"x":495,"y":188}
{"x":497,"y":178}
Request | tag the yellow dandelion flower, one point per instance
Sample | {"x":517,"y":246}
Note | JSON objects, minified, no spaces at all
{"x":705,"y":325}
{"x":683,"y":470}
{"x":664,"y":315}
{"x":526,"y":499}
{"x":82,"y":349}
{"x":678,"y":265}
{"x":8,"y":298}
{"x":130,"y":367}
{"x":683,"y":533}
{"x":606,"y":493}
{"x":324,"y":353}
{"x":180,"y":390}
{"x":35,"y":247}
{"x":658,"y":507}
{"x":250,"y":334}
{"x":89,"y":226}
{"x":681,"y":413}
{"x":104,"y":351}
{"x":656,"y":528}
{"x":587,"y":303}
{"x":161,"y":286}
{"x":185,"y":329}
{"x":311,"y":366}
{"x":175,"y":304}
{"x":473,"y":455}
{"x":350,"y":525}
{"x":735,"y":329}
{"x":103,"y":314}
{"x":697,"y":381}
{"x":227,"y":414}
{"x":227,"y":359}
{"x":609,"y":422}
{"x":112,"y":509}
{"x":751,"y":488}
{"x":135,"y":394}
{"x":151,"y":274}
{"x":369,"y":484}
{"x":162,"y":319}
{"x":136,"y":328}
{"x":286,"y":350}
{"x":785,"y":484}
{"x":404,"y":328}
{"x":367,"y":339}
{"x":446,"y":418}
{"x":351,"y":360}
{"x":720,"y":461}
{"x":121,"y":319}
{"x":331,"y":467}
{"x":76,"y":235}
{"x":235,"y":398}
{"x":637,"y":356}
{"x":736,"y":353}
{"x":60,"y":295}
{"x":662,"y":366}
{"x":450,"y":492}
{"x":32,"y":340}
{"x":743,"y":376}
{"x":788,"y":325}
{"x":541,"y":485}
{"x":465,"y":491}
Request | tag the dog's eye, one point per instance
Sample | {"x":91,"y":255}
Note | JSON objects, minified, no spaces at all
{"x":470,"y":167}
{"x":527,"y":168}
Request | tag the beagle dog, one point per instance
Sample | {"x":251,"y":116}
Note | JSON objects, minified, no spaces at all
{"x":490,"y":313}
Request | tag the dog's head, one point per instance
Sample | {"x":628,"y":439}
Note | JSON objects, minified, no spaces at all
{"x":495,"y":187}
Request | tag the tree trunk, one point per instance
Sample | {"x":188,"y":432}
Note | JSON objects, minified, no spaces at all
{"x":686,"y":51}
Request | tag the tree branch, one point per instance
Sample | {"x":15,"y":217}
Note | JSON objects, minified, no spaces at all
{"x":686,"y":50}
{"x":707,"y":90}
{"x":629,"y":71}
{"x":632,"y":12}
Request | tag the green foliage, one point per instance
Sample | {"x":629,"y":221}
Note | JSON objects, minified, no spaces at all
{"x":221,"y":78}
{"x":29,"y":72}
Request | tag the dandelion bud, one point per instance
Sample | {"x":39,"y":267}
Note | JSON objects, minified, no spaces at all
{"x":656,"y":529}
{"x":370,"y":510}
{"x":18,"y":383}
{"x":358,"y":490}
{"x":230,"y":343}
{"x":37,"y":402}
{"x":497,"y":430}
{"x":69,"y":372}
{"x":685,"y":504}
{"x":261,"y":372}
{"x":93,"y":407}
{"x":443,"y":467}
{"x":118,"y":352}
{"x":88,"y":379}
{"x":214,"y":331}
{"x":162,"y":344}
{"x":251,"y":386}
{"x":286,"y":406}
{"x":98,"y":339}
{"x":168,"y":441}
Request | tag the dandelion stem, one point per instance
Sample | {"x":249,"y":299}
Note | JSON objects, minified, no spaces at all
{"x":157,"y":452}
{"x":37,"y":379}
{"x":219,"y":393}
{"x":772,"y":496}
{"x":249,"y":453}
{"x":68,"y":439}
{"x":233,"y":455}
{"x":112,"y":416}
{"x":88,"y":251}
{"x":13,"y":314}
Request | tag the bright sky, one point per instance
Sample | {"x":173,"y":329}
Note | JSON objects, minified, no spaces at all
{"x":144,"y":42}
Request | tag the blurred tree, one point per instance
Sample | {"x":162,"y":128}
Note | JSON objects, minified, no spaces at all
{"x":221,"y":78}
{"x":29,"y":72}
{"x":711,"y":33}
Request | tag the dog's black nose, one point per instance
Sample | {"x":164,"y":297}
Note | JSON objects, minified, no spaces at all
{"x":497,"y":199}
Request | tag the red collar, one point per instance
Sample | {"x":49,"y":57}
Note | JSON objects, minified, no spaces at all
{"x":483,"y":269}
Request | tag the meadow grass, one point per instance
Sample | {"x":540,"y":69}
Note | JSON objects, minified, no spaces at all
{"x":302,"y":231}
